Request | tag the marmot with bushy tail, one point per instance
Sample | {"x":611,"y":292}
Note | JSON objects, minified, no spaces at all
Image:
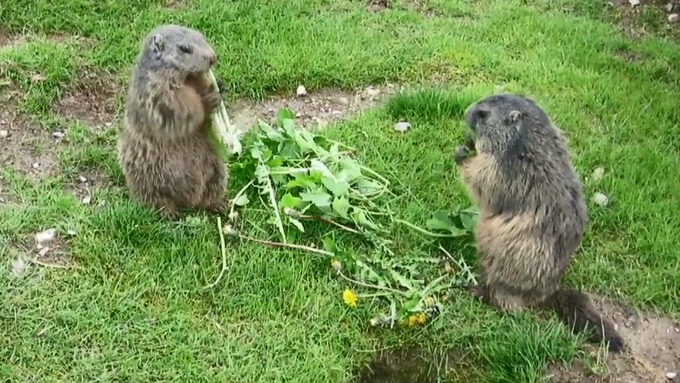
{"x":516,"y":167}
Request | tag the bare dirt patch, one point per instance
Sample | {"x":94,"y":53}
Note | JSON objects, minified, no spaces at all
{"x":414,"y":365}
{"x":86,"y":183}
{"x":312,"y":110}
{"x":377,"y":5}
{"x":92,"y":99}
{"x":24,"y":144}
{"x":176,"y":4}
{"x":54,"y":254}
{"x":652,"y":349}
{"x":641,"y":17}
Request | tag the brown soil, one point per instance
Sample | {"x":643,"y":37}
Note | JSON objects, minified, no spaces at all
{"x":24,"y":145}
{"x":652,"y":349}
{"x":92,"y":99}
{"x":415,"y":365}
{"x":313,"y":110}
{"x":628,"y":16}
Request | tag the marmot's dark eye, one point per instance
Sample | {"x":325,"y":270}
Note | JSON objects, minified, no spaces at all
{"x":481,"y":114}
{"x":185,"y":49}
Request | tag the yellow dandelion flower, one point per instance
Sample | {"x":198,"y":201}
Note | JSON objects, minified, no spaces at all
{"x":414,"y":319}
{"x":336,"y":264}
{"x":349,"y":297}
{"x":428,"y":301}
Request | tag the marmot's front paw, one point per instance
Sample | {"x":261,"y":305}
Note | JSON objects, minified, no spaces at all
{"x":221,"y":86}
{"x":461,"y":154}
{"x":470,"y":142}
{"x":212,"y":100}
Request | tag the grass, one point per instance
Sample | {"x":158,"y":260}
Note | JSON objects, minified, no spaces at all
{"x":135,"y":310}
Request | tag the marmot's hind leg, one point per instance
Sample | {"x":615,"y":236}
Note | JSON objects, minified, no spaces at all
{"x":503,"y":299}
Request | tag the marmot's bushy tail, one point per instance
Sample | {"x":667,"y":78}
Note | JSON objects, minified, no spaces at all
{"x":575,"y":309}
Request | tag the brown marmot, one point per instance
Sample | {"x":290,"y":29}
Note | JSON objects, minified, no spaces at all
{"x":165,"y":150}
{"x":516,"y":168}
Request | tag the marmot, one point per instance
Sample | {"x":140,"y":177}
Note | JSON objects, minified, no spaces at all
{"x":165,"y":150}
{"x":516,"y":168}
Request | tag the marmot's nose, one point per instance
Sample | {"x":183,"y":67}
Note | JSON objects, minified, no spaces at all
{"x":212,"y":58}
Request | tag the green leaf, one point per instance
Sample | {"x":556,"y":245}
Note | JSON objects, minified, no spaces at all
{"x":288,"y":200}
{"x":320,"y":167}
{"x":302,"y":180}
{"x":401,"y":279}
{"x":468,"y":221}
{"x":359,"y":217}
{"x":242,"y":200}
{"x":441,"y":221}
{"x":275,"y":161}
{"x":339,"y":188}
{"x":284,"y":114}
{"x":270,"y":132}
{"x":297,"y":224}
{"x":341,"y":206}
{"x":289,"y":127}
{"x":329,"y":245}
{"x":367,"y":186}
{"x":318,"y":198}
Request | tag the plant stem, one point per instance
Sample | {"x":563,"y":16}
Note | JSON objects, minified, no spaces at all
{"x":368,"y":285}
{"x":332,"y":223}
{"x":423,"y":231}
{"x":223,"y":247}
{"x":240,"y":192}
{"x":289,"y":245}
{"x":462,"y":265}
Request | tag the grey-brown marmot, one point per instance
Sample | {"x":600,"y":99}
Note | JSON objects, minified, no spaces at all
{"x":516,"y":168}
{"x":165,"y":150}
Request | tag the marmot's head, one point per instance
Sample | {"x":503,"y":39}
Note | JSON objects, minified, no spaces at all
{"x":506,"y":124}
{"x":176,"y":47}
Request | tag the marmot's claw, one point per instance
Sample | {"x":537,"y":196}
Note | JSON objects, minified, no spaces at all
{"x":221,"y":85}
{"x":212,"y":100}
{"x":461,"y":154}
{"x":470,"y":142}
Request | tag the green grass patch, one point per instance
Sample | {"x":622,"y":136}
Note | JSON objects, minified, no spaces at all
{"x":135,"y":309}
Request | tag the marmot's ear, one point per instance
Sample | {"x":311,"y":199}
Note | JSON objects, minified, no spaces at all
{"x":515,"y":115}
{"x":158,"y":43}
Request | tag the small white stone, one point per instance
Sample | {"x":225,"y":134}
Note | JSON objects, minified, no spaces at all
{"x":18,"y":266}
{"x":36,"y":165}
{"x":402,"y":126}
{"x":600,"y":199}
{"x":598,"y":174}
{"x":82,"y":179}
{"x":58,"y":135}
{"x":45,"y":237}
{"x":671,"y":375}
{"x":673,"y":17}
{"x":301,"y":90}
{"x":71,"y":232}
{"x":669,"y":7}
{"x":43,"y":251}
{"x":372,"y":92}
{"x":634,"y":2}
{"x":4,"y":133}
{"x":87,"y":199}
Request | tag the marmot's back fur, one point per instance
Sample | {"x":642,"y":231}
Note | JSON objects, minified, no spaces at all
{"x":532,"y":211}
{"x":165,"y":150}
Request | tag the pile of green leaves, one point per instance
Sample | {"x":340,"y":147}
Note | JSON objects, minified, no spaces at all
{"x":300,"y":176}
